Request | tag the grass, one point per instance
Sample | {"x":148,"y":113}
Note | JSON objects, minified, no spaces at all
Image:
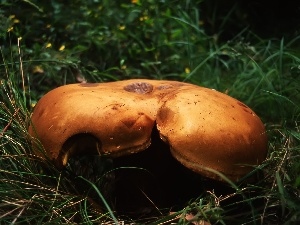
{"x":135,"y":43}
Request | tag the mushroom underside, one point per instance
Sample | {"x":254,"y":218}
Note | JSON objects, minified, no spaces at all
{"x":140,"y":183}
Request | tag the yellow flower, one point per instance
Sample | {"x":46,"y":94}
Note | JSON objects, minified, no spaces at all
{"x":37,"y":69}
{"x":187,"y":70}
{"x":10,"y":29}
{"x":62,"y":48}
{"x":14,"y":19}
{"x":144,"y":18}
{"x":135,"y":1}
{"x":122,"y":27}
{"x":48,"y":45}
{"x":33,"y":104}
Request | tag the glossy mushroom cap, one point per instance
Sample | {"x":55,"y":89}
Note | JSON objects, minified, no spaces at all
{"x":205,"y":129}
{"x":208,"y":130}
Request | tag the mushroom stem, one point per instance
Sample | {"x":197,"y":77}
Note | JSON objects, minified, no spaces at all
{"x":77,"y":145}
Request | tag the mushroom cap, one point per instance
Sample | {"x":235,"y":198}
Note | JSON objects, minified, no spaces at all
{"x":204,"y":128}
{"x":208,"y":130}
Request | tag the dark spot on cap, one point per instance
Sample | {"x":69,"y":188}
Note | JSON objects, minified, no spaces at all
{"x":241,"y":104}
{"x":245,"y":108}
{"x":139,"y":88}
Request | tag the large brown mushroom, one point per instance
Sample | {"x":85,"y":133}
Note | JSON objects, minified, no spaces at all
{"x":206,"y":130}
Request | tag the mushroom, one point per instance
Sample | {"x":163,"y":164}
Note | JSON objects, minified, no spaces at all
{"x":206,"y":130}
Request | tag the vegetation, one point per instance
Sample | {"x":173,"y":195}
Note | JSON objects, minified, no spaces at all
{"x":45,"y":44}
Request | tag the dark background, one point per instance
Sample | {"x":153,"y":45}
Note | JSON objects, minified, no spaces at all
{"x":266,"y":18}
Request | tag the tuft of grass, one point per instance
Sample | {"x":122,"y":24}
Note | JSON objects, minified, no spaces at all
{"x":32,"y":191}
